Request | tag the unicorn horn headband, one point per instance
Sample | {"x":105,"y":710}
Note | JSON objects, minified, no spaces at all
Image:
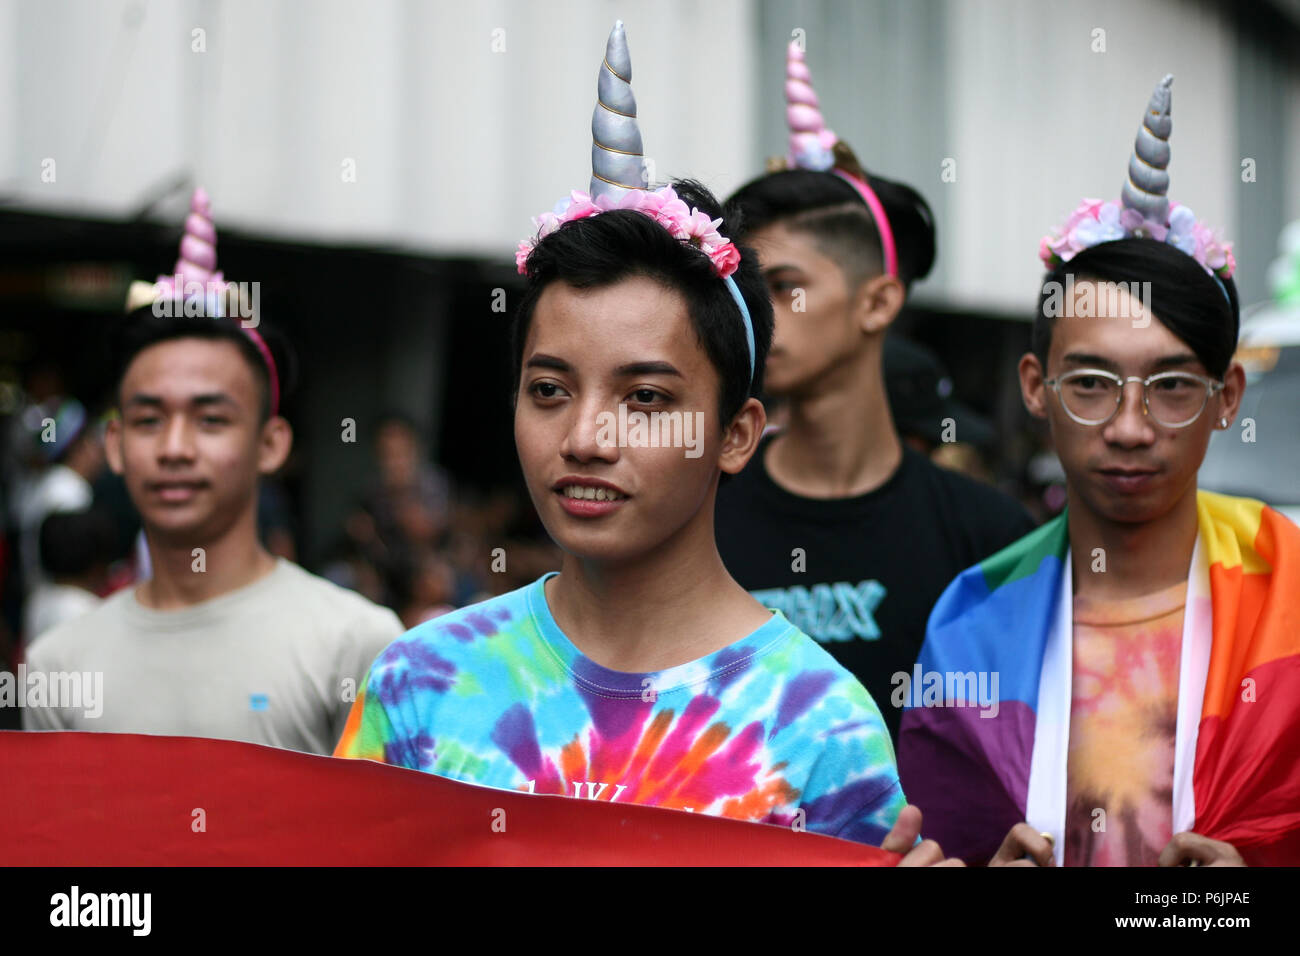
{"x":617,"y":182}
{"x":814,"y":147}
{"x":195,"y":277}
{"x":1143,"y":209}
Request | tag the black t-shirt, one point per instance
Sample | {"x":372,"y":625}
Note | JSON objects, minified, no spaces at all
{"x":873,"y":566}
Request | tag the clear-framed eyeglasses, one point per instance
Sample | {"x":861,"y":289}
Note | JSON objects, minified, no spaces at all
{"x":1093,"y":396}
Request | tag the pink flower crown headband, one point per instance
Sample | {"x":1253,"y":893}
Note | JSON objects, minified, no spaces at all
{"x":196,"y":267}
{"x":617,"y":183}
{"x":1143,"y":211}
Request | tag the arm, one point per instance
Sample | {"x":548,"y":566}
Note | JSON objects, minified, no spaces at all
{"x":365,"y":642}
{"x":47,"y":717}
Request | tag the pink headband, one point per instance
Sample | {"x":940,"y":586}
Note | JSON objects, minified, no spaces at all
{"x":271,"y":373}
{"x":877,"y":208}
{"x":811,"y":145}
{"x":197,"y":266}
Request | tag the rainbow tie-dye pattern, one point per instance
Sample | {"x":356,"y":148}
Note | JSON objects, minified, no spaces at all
{"x":769,"y":729}
{"x":972,"y":777}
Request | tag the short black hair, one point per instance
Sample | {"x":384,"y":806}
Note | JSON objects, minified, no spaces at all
{"x":141,"y":329}
{"x":835,"y":214}
{"x":1185,"y":299}
{"x":74,"y":542}
{"x":601,"y":250}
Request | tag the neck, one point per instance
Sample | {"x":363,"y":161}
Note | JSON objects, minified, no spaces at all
{"x":1138,"y":558}
{"x":840,"y":441}
{"x":657,"y":610}
{"x":227,"y":561}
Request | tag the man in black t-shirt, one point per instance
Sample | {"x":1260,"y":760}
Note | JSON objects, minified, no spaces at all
{"x":835,"y":522}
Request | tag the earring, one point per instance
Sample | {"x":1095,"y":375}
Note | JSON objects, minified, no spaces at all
{"x":1223,"y":423}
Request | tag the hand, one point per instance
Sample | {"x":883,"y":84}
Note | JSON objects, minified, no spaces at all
{"x":1024,"y":841}
{"x":1192,"y":849}
{"x":906,"y":829}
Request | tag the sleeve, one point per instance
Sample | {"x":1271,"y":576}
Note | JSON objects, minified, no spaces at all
{"x":368,"y":730}
{"x":366,"y":641}
{"x":853,"y":791}
{"x":42,"y":718}
{"x":387,"y":722}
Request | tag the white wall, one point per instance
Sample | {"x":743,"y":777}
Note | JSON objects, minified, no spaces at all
{"x":1039,"y":121}
{"x":456,"y":146}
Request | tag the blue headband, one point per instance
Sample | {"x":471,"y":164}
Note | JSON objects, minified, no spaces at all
{"x":749,"y":323}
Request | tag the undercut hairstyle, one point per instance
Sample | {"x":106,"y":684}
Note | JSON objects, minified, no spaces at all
{"x":1184,"y":298}
{"x":832,"y":211}
{"x":604,"y":249}
{"x":141,"y":329}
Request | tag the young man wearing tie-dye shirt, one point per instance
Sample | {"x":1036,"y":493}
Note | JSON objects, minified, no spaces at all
{"x":641,"y":672}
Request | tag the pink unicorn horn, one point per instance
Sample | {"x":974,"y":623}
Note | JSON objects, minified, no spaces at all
{"x":810,"y":141}
{"x":197,"y":262}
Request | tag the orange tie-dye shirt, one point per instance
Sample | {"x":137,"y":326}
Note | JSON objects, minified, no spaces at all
{"x":1123,"y":718}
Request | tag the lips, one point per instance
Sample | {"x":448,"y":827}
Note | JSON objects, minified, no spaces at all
{"x":1128,"y":480}
{"x":586,"y":497}
{"x":173,"y":492}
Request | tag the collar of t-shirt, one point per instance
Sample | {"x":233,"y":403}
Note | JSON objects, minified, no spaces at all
{"x":692,"y":676}
{"x":831,"y":508}
{"x":212,"y":611}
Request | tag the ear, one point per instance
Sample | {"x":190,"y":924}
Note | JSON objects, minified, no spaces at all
{"x":1234,"y":386}
{"x":273,"y":445}
{"x":1032,"y":389}
{"x":742,"y":437}
{"x":113,"y":443}
{"x":878,"y":302}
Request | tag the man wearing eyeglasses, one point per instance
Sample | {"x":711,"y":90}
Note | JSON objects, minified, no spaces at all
{"x":1148,"y":641}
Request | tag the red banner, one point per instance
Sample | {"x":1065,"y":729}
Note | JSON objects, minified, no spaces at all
{"x":78,"y":799}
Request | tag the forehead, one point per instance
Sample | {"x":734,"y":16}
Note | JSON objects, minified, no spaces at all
{"x":178,"y":369}
{"x":777,"y":244}
{"x":634,"y":320}
{"x":1105,"y":319}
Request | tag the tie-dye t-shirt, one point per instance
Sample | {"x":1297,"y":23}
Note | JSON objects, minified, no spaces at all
{"x":769,"y":729}
{"x":1123,"y":717}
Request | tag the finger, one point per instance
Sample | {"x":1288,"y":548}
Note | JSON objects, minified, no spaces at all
{"x":1024,"y":840}
{"x":906,"y":829}
{"x":951,"y":861}
{"x":1184,"y":846}
{"x":927,"y":853}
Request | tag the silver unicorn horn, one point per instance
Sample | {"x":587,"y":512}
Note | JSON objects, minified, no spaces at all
{"x":615,"y":136}
{"x":1148,"y":182}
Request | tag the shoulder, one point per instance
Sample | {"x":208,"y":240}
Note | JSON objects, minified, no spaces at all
{"x":459,"y":633}
{"x":812,"y":676}
{"x":96,"y":625}
{"x":331,"y":605}
{"x":987,"y":511}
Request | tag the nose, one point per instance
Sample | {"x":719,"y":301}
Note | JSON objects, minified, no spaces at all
{"x":1132,"y":426}
{"x":177,"y":443}
{"x":591,"y":433}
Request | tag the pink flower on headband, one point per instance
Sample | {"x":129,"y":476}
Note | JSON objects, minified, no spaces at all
{"x":1095,"y":222}
{"x":662,"y":205}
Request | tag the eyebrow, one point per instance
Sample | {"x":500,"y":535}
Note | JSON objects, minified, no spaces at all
{"x":779,"y":267}
{"x":1100,"y":361}
{"x":206,"y":399}
{"x":542,"y":360}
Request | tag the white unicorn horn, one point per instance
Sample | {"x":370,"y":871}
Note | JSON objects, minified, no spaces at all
{"x":615,"y":137}
{"x":1147,"y":187}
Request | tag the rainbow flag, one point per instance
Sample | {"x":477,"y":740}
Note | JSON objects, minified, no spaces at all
{"x":976,"y":771}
